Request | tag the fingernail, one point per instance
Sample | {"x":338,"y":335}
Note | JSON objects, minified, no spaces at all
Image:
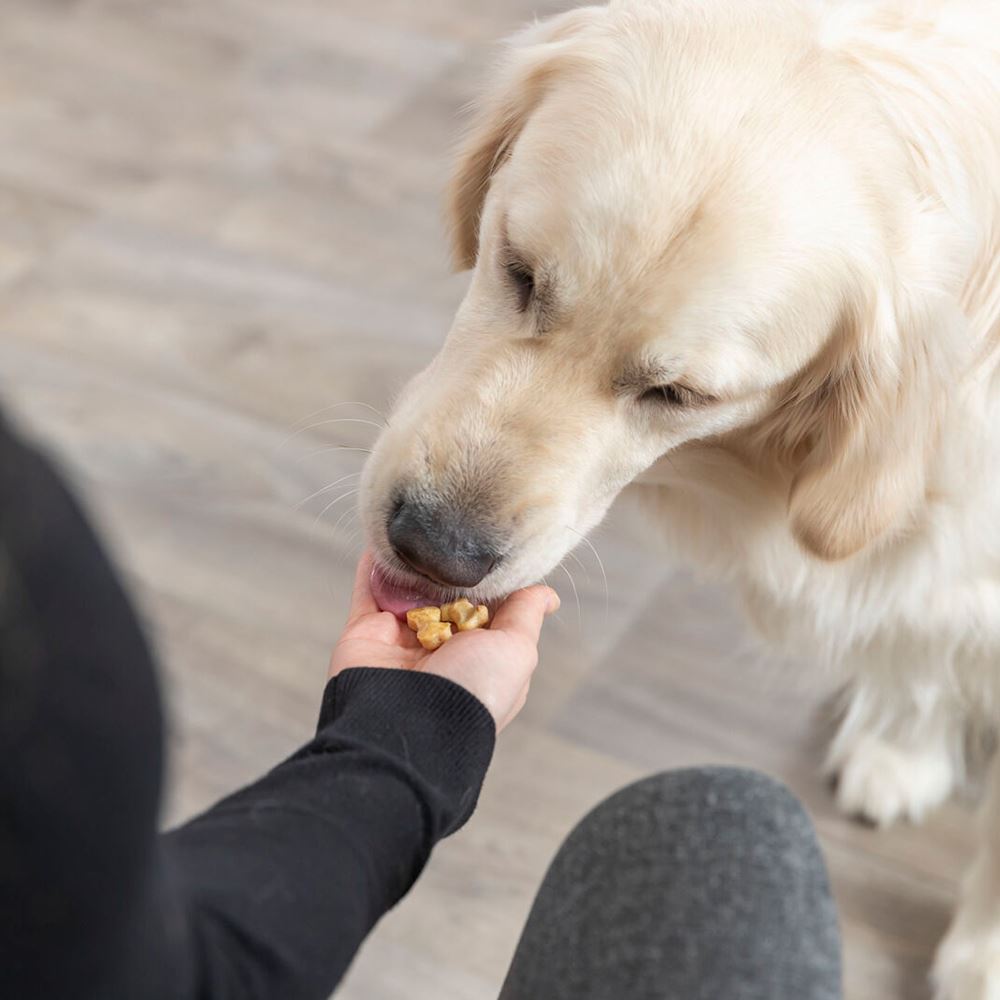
{"x":554,"y":602}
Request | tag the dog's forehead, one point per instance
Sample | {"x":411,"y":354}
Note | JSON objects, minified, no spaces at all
{"x":631,"y":198}
{"x":633,"y":207}
{"x":635,"y":147}
{"x":604,"y":178}
{"x":615,"y":218}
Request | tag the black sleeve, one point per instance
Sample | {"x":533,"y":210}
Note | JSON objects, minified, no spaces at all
{"x":268,"y":895}
{"x":283,"y":880}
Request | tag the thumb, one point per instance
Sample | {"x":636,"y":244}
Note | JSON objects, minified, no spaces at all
{"x":362,"y":601}
{"x":524,"y":612}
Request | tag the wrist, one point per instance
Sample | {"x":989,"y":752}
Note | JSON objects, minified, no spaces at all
{"x":429,"y":723}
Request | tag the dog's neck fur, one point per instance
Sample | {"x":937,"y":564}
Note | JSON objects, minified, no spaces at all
{"x":932,"y":64}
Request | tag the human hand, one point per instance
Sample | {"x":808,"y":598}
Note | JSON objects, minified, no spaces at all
{"x":494,"y":664}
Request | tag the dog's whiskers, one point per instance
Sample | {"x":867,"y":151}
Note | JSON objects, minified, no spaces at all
{"x":335,"y":406}
{"x":348,"y":514}
{"x":337,"y":447}
{"x":326,"y":489}
{"x":303,"y":424}
{"x":576,"y":559}
{"x":333,"y":503}
{"x":604,"y":575}
{"x":353,"y":539}
{"x":576,"y":595}
{"x":334,"y":420}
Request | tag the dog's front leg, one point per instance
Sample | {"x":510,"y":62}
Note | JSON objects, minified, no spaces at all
{"x":967,"y":966}
{"x":899,"y":750}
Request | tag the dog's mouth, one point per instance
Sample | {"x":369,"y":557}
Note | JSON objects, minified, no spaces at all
{"x":398,"y":592}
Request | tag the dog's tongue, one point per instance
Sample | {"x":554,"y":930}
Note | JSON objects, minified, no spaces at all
{"x":396,"y":598}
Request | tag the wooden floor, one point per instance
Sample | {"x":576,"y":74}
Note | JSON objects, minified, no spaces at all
{"x":218,"y":219}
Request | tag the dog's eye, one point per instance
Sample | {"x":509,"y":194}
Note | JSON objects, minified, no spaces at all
{"x":523,"y":280}
{"x":672,"y":395}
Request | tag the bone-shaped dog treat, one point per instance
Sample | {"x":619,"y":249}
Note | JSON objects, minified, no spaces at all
{"x":419,"y":617}
{"x":432,"y":624}
{"x":431,"y":631}
{"x":465,"y":614}
{"x":434,"y":634}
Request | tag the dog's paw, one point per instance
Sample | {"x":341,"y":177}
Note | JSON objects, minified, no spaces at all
{"x":882,"y":783}
{"x":967,"y":966}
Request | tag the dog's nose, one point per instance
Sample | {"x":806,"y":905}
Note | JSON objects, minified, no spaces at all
{"x":440,"y":545}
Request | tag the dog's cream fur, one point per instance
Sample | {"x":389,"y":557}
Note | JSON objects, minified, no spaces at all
{"x":792,"y":210}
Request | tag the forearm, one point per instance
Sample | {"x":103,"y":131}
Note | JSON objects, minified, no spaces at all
{"x":281,"y":882}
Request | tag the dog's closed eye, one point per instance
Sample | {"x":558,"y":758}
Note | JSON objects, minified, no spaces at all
{"x":674,"y":394}
{"x":649,"y":383}
{"x":522,"y":279}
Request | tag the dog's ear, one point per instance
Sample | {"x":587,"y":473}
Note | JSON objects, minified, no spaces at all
{"x":864,"y":421}
{"x":530,"y":60}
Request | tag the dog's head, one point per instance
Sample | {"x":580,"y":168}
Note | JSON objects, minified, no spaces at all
{"x":686,"y":222}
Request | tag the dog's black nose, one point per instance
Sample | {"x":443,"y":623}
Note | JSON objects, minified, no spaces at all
{"x":440,"y":544}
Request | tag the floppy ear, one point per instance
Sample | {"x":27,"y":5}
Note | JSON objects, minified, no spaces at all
{"x":531,"y":58}
{"x":865,"y":422}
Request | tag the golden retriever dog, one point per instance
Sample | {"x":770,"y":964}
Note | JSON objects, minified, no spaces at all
{"x":744,"y":255}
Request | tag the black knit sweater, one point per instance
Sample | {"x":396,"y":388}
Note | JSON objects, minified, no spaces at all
{"x":268,"y":895}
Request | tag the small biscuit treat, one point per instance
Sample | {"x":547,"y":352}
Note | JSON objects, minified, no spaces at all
{"x":433,"y":625}
{"x":433,"y":634}
{"x":419,"y":617}
{"x":465,"y":615}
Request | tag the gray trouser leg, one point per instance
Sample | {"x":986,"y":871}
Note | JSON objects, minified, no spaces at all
{"x":703,"y":884}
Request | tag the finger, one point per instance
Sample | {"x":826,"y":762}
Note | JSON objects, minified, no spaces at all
{"x":362,"y":601}
{"x":525,"y":610}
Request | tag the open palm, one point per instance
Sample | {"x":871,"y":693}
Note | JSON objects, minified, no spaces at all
{"x":493,"y":664}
